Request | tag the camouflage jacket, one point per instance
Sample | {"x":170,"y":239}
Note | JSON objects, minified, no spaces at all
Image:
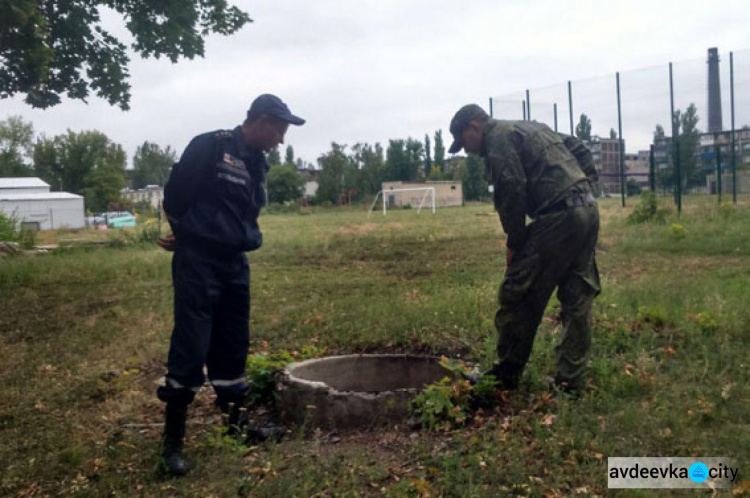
{"x":530,"y":168}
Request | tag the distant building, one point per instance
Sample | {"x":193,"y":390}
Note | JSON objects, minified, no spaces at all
{"x":151,"y":194}
{"x":30,"y":202}
{"x":715,"y":147}
{"x":310,"y":176}
{"x":606,"y":155}
{"x":637,"y":167}
{"x":446,"y":193}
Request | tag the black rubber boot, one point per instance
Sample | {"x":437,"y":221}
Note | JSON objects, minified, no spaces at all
{"x":257,"y":434}
{"x":172,"y":442}
{"x":507,"y":377}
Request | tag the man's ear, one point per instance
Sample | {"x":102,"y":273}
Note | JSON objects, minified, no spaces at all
{"x":475,"y":125}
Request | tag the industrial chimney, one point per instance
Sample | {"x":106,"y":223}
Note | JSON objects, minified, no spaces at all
{"x":714,"y":92}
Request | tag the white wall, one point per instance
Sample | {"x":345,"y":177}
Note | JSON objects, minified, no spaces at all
{"x":49,"y":213}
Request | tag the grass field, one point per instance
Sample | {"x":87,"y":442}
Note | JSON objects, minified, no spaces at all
{"x":84,"y":335}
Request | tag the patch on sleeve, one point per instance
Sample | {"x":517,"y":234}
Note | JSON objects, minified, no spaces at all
{"x":222,"y":134}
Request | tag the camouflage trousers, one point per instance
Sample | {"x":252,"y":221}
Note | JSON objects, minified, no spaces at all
{"x":559,"y":253}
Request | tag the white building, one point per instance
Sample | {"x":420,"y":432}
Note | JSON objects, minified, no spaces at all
{"x":151,"y":194}
{"x":29,"y":201}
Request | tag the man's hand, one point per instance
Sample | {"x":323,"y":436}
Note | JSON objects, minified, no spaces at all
{"x":167,"y":243}
{"x":508,"y":256}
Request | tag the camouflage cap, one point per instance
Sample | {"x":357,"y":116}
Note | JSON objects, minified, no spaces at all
{"x":461,"y":120}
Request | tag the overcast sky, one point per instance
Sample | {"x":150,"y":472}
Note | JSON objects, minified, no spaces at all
{"x":370,"y":70}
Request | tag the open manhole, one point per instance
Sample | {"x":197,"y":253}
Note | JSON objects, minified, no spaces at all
{"x":355,"y":390}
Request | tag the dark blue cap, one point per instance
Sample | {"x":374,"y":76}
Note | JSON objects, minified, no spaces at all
{"x":271,"y":105}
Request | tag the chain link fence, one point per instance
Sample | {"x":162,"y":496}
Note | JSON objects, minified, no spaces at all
{"x":681,"y":130}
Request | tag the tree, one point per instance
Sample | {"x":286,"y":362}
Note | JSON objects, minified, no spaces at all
{"x":583,"y":128}
{"x":688,"y":138}
{"x":15,"y":145}
{"x":439,"y":150}
{"x":612,"y":134}
{"x":371,"y":167}
{"x":102,"y":185}
{"x":472,"y":177}
{"x":403,"y":160}
{"x":658,"y":133}
{"x":289,"y":156}
{"x":55,"y":47}
{"x":284,"y":183}
{"x":273,"y":157}
{"x":85,"y":163}
{"x":427,"y":158}
{"x":338,"y":174}
{"x":151,"y":165}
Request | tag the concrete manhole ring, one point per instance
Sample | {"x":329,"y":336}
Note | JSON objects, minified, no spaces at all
{"x":339,"y":392}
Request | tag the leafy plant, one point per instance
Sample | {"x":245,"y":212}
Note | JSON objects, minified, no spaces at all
{"x":150,"y":231}
{"x":705,"y":321}
{"x":647,"y":210}
{"x":727,"y":210}
{"x":655,"y":315}
{"x":7,"y":228}
{"x":263,"y":369}
{"x":27,"y":237}
{"x":449,"y":402}
{"x":677,"y":231}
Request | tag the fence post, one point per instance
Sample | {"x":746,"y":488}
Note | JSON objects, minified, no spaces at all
{"x":734,"y":144}
{"x":676,"y":143}
{"x":652,"y":169}
{"x":570,"y":107}
{"x":621,"y":142}
{"x":554,"y":107}
{"x":528,"y":105}
{"x":718,"y":172}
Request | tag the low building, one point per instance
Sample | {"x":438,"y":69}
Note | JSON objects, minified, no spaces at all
{"x":29,"y":201}
{"x":637,"y":167}
{"x":400,"y":194}
{"x":153,"y":195}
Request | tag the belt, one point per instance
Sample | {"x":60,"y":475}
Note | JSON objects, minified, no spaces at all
{"x":573,"y":201}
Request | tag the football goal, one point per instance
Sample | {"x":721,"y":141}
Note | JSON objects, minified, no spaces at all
{"x":397,"y":196}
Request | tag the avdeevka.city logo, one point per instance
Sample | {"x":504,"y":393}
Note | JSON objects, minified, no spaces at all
{"x":671,"y":472}
{"x":698,"y":472}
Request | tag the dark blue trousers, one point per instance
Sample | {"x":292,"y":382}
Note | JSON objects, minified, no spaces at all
{"x":211,"y":325}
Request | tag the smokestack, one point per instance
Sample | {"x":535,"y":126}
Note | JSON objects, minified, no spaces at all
{"x":714,"y":92}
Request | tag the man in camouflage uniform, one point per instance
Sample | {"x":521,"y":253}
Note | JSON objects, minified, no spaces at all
{"x":534,"y":174}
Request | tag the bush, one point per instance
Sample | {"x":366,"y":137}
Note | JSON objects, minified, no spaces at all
{"x":27,"y":238}
{"x":7,"y":228}
{"x":648,"y":210}
{"x":150,"y":231}
{"x":677,"y":231}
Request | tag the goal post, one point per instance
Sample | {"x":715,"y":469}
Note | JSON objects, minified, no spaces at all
{"x":428,"y":192}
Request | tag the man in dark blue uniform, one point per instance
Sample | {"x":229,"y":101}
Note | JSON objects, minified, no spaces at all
{"x":212,"y":200}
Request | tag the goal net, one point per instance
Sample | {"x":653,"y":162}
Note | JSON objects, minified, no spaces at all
{"x":405,"y":196}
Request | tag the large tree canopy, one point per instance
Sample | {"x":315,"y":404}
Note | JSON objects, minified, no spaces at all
{"x":53,"y":47}
{"x":15,"y":145}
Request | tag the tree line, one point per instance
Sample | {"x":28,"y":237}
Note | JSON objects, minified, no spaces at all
{"x":346,"y":174}
{"x":86,"y":163}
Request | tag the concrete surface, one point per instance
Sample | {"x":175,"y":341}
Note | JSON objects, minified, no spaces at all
{"x":340,"y":392}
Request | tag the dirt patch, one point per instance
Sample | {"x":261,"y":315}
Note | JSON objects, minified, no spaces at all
{"x":358,"y":229}
{"x":364,"y":229}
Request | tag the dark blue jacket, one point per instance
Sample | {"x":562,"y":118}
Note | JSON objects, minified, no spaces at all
{"x":215,"y":193}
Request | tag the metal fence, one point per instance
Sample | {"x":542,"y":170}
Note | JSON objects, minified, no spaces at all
{"x":681,"y":129}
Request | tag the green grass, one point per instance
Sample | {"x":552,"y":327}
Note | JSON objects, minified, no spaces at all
{"x":84,"y":334}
